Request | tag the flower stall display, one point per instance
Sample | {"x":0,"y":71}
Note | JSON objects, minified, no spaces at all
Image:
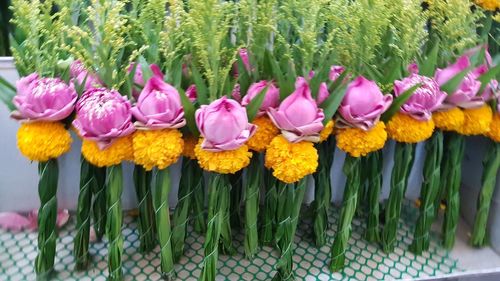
{"x":251,"y":100}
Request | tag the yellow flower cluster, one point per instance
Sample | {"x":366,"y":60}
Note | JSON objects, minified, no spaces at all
{"x":189,"y":144}
{"x":265,"y":133}
{"x":120,"y":150}
{"x":41,"y":141}
{"x":477,"y":121}
{"x":327,"y":131}
{"x":494,"y":132}
{"x":358,"y":143}
{"x":404,"y":128}
{"x":223,"y":162}
{"x":489,"y":5}
{"x":449,"y":120}
{"x":157,"y":148}
{"x":291,"y":161}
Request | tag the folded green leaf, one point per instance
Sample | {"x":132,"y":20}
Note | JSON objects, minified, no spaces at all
{"x":255,"y":103}
{"x":243,"y":77}
{"x":333,"y":85}
{"x":146,"y":71}
{"x":7,"y":93}
{"x":428,"y":65}
{"x":332,"y":103}
{"x":201,"y":87}
{"x":189,"y":111}
{"x":398,"y":102}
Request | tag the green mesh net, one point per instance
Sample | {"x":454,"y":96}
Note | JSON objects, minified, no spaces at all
{"x":364,"y":261}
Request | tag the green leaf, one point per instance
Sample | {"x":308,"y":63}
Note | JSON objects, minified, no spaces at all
{"x":278,"y":74}
{"x":394,"y":73}
{"x":146,"y":70}
{"x":322,"y":75}
{"x":201,"y":87}
{"x":255,"y":103}
{"x":398,"y":102}
{"x":7,"y":93}
{"x":335,"y":84}
{"x":487,"y":77}
{"x":243,"y":77}
{"x":332,"y":103}
{"x":452,"y":84}
{"x":189,"y":111}
{"x":428,"y":65}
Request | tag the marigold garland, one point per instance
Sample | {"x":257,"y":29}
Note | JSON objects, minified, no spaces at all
{"x":157,"y":148}
{"x":265,"y":133}
{"x":404,"y":128}
{"x":291,"y":162}
{"x":494,"y":132}
{"x":120,"y":150}
{"x":41,"y":141}
{"x":358,"y":143}
{"x":489,"y":5}
{"x":327,"y":131}
{"x":189,"y":145}
{"x":477,"y":121}
{"x":449,"y":120}
{"x":223,"y":162}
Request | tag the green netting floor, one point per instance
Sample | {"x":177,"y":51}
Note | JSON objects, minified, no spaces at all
{"x":364,"y":260}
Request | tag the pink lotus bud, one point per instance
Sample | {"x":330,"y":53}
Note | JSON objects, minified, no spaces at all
{"x":298,"y":116}
{"x":191,"y":93}
{"x":444,"y":75}
{"x":159,"y":106}
{"x":223,"y":125}
{"x":271,"y":100}
{"x":80,"y":74}
{"x":363,"y":103}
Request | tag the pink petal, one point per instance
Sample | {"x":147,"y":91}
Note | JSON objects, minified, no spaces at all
{"x":13,"y":221}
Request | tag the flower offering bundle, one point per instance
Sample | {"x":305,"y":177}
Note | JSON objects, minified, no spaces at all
{"x":250,"y":99}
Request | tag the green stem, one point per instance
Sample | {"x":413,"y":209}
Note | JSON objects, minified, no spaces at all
{"x":47,"y":214}
{"x":198,"y":200}
{"x":456,"y":147}
{"x":81,"y":242}
{"x":254,"y":182}
{"x":352,"y":170}
{"x":429,"y":192}
{"x":142,"y":183}
{"x":289,"y":203}
{"x":491,"y":164}
{"x":375,"y":165}
{"x":181,"y":213}
{"x":99,"y":209}
{"x":403,"y":161}
{"x":268,"y":214}
{"x":162,"y":214}
{"x":322,"y":192}
{"x":236,"y":198}
{"x":114,"y":222}
{"x":218,"y":205}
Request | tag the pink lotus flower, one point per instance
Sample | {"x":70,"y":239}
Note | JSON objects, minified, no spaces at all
{"x":271,"y":100}
{"x":426,"y":99}
{"x":103,"y":115}
{"x":159,"y":106}
{"x":363,"y":104}
{"x":444,"y":75}
{"x":43,"y":99}
{"x":191,"y":93}
{"x":236,"y":93}
{"x":16,"y":222}
{"x":79,"y":74}
{"x":298,"y":116}
{"x":223,"y":125}
{"x":335,"y":72}
{"x":413,"y":68}
{"x":139,"y":78}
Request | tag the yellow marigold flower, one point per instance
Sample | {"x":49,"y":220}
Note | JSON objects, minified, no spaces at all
{"x":327,"y":131}
{"x":494,"y":132}
{"x":450,"y":120}
{"x":157,"y":148}
{"x":477,"y":121}
{"x":41,"y":141}
{"x":265,"y":133}
{"x":489,"y":5}
{"x":189,"y":144}
{"x":404,"y":128}
{"x":358,"y":143}
{"x":223,"y":162}
{"x":120,"y":150}
{"x":291,"y":161}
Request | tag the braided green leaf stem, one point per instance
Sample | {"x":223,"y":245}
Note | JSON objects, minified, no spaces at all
{"x":114,"y":222}
{"x":142,"y":183}
{"x":374,"y":164}
{"x":251,"y":197}
{"x":99,"y":209}
{"x":268,"y":213}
